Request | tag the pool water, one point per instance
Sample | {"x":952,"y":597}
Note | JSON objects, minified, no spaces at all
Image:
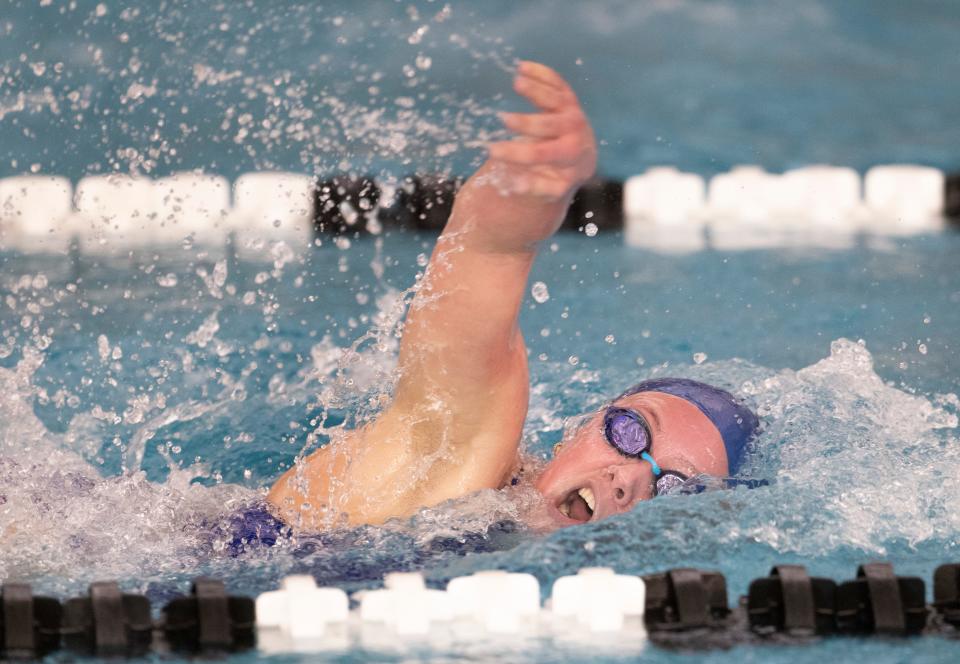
{"x":150,"y":395}
{"x":149,"y":398}
{"x":321,"y":87}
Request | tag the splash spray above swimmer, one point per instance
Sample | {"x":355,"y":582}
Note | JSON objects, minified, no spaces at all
{"x":455,"y":424}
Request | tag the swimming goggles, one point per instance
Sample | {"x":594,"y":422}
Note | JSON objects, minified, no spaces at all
{"x":628,"y":432}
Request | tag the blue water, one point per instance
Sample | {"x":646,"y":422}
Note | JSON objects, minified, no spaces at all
{"x":150,"y":396}
{"x":860,"y":446}
{"x":700,"y":84}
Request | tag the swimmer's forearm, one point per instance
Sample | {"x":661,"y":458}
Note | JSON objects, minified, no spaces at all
{"x":491,"y":219}
{"x":461,"y":332}
{"x":463,"y":324}
{"x":462,"y":336}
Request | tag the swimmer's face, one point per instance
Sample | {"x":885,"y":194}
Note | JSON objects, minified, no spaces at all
{"x":683,"y":440}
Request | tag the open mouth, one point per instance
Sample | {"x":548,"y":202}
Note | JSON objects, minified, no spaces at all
{"x":579,"y":504}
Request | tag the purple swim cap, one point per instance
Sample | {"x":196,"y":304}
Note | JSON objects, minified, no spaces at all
{"x":736,"y":423}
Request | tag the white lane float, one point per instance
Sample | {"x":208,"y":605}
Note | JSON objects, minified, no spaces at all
{"x":193,"y":205}
{"x":301,"y":616}
{"x":405,"y":606}
{"x":904,"y":199}
{"x":812,"y":206}
{"x":496,"y":601}
{"x":663,"y":211}
{"x":741,"y":209}
{"x":598,"y":600}
{"x":34,"y":212}
{"x":272,"y":206}
{"x":821,"y":204}
{"x":116,"y":213}
{"x":745,"y":193}
{"x":584,"y":610}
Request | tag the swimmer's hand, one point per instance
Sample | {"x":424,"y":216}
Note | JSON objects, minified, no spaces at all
{"x":518,"y":198}
{"x":555,"y":151}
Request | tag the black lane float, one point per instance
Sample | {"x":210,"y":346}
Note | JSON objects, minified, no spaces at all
{"x":344,"y":204}
{"x":684,"y":608}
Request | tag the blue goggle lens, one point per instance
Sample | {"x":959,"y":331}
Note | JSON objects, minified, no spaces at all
{"x":669,"y":481}
{"x":626,"y":431}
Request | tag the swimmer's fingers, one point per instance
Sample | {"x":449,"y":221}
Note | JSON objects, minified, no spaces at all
{"x":542,"y":95}
{"x":545,"y":75}
{"x":544,"y":125}
{"x":567,"y":150}
{"x":555,"y":149}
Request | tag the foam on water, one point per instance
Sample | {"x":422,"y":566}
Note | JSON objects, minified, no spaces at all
{"x":139,"y":417}
{"x":870,"y":452}
{"x":851,"y":459}
{"x":61,"y":516}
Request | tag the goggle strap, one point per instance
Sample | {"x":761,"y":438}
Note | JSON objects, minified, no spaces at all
{"x":653,"y":464}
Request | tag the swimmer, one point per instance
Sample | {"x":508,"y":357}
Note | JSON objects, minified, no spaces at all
{"x":455,"y":423}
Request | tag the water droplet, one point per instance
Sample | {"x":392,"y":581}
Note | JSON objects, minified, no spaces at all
{"x":610,"y":339}
{"x":545,"y":332}
{"x":927,"y":319}
{"x":590,"y":229}
{"x":573,"y":360}
{"x":699,"y":358}
{"x":922,"y":348}
{"x":424,"y":62}
{"x":103,"y":347}
{"x":422,"y":260}
{"x":539,"y":292}
{"x":418,"y":34}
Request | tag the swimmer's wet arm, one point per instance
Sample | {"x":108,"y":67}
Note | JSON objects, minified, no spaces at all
{"x":462,"y":358}
{"x":461,"y":399}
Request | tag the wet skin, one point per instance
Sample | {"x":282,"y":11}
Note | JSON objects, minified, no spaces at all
{"x":683,"y":440}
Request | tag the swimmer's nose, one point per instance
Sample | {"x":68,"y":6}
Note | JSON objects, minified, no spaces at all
{"x":630,"y":483}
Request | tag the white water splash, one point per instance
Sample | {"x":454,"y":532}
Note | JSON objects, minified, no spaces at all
{"x":57,"y":514}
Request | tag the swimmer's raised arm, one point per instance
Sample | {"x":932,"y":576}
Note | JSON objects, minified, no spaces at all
{"x":461,"y":400}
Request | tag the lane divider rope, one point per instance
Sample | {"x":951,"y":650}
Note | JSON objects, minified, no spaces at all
{"x":680,"y":608}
